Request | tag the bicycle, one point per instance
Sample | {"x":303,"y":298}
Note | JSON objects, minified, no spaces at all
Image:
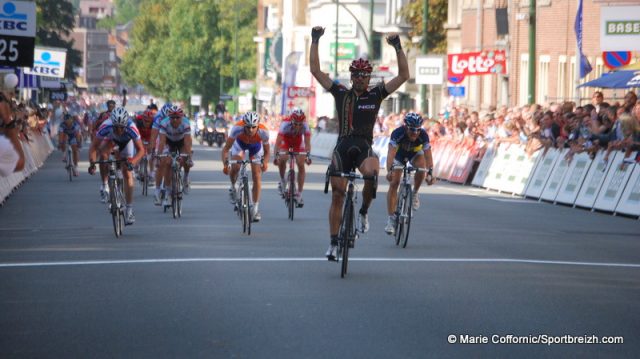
{"x":177,"y":182}
{"x":243,"y":197}
{"x":69,"y":167}
{"x":348,"y":232}
{"x":117,"y":201}
{"x":290,"y":191}
{"x":404,"y":206}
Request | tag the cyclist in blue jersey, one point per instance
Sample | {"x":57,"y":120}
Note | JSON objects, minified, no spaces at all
{"x":357,"y":109}
{"x":408,"y":143}
{"x":122,"y":132}
{"x":175,"y":135}
{"x":155,"y":131}
{"x":70,"y":133}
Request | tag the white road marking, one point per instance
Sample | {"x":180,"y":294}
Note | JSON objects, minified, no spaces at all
{"x":319,"y":259}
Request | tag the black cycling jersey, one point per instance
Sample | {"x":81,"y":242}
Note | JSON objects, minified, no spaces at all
{"x":357,"y":114}
{"x":405,"y":147}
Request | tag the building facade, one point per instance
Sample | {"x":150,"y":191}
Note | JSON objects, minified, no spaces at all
{"x":473,"y":26}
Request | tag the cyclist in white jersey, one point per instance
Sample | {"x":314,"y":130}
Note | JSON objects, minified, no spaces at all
{"x":175,"y":135}
{"x":122,"y":132}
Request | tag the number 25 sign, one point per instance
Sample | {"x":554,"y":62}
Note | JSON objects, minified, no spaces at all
{"x":17,"y":33}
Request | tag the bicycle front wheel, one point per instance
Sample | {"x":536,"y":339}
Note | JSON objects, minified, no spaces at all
{"x":408,"y":204}
{"x":70,"y":165}
{"x":145,"y":175}
{"x":246,"y":194}
{"x":348,"y":235}
{"x":400,"y":212}
{"x":174,"y":194}
{"x":291,"y":200}
{"x":115,"y":210}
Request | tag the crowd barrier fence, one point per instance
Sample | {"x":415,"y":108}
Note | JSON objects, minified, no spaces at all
{"x":36,"y":151}
{"x":546,"y":176}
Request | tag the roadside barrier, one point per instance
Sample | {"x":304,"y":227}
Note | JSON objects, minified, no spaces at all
{"x":36,"y":151}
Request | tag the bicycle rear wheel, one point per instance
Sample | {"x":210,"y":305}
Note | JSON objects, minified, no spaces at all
{"x":407,"y":220}
{"x":291,"y":200}
{"x":348,"y":234}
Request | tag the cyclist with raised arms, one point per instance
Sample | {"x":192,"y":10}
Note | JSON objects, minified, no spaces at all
{"x":408,"y":143}
{"x":291,"y":134}
{"x":357,"y":110}
{"x":175,"y":135}
{"x":122,"y":132}
{"x":70,"y":133}
{"x":247,"y":134}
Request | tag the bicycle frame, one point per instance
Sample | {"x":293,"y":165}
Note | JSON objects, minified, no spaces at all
{"x":176,"y":182}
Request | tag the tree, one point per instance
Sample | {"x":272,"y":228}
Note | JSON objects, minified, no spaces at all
{"x":181,"y":47}
{"x":125,"y":11}
{"x":437,"y":36}
{"x":55,"y":21}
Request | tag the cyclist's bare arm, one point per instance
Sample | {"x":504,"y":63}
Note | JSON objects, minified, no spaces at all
{"x":267,"y":151}
{"x":403,"y":66}
{"x":187,"y":144}
{"x":140,"y":151}
{"x":93,"y":150}
{"x":391,"y":154}
{"x":163,"y":141}
{"x":314,"y":62}
{"x":226,"y":148}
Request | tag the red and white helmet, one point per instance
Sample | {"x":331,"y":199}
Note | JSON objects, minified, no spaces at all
{"x":297,"y":115}
{"x":360,"y":65}
{"x":175,"y":111}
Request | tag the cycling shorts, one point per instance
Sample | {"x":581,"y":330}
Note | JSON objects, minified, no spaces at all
{"x":173,"y":146}
{"x":350,"y":152}
{"x":256,"y":150}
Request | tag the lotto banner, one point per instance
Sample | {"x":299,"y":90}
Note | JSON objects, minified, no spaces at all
{"x":477,"y":63}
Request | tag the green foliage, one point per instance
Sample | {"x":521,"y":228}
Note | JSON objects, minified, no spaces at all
{"x":436,"y":34}
{"x":55,"y":22}
{"x":181,"y":47}
{"x":125,"y":11}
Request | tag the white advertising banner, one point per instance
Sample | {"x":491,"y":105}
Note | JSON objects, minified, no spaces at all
{"x":592,"y":183}
{"x":541,"y":174}
{"x":578,"y":169}
{"x":519,"y":170}
{"x":552,"y":187}
{"x":630,"y":200}
{"x":483,"y":169}
{"x":48,"y":62}
{"x":613,"y":185}
{"x":620,"y":28}
{"x":429,"y":70}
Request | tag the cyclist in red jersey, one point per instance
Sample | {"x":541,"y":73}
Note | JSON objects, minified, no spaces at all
{"x":292,"y":131}
{"x":144,"y":122}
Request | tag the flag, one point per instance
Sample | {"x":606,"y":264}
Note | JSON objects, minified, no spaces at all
{"x":585,"y":66}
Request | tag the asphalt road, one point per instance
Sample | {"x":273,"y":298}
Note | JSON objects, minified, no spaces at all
{"x":478,"y":264}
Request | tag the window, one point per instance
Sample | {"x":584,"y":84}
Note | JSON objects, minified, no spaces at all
{"x":562,"y":78}
{"x":524,"y":79}
{"x":542,"y":95}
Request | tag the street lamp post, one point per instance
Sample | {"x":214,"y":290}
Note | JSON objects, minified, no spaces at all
{"x":423,"y":88}
{"x":335,"y":53}
{"x":235,"y":59}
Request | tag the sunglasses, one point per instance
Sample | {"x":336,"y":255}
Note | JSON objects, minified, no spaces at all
{"x":361,"y":74}
{"x":414,"y":129}
{"x":175,"y":117}
{"x":250,"y":126}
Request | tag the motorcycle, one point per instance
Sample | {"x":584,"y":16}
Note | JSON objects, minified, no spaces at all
{"x":220,"y":126}
{"x":209,"y":134}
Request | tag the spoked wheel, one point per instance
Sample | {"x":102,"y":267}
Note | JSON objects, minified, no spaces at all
{"x":115,"y":212}
{"x":243,"y":209}
{"x":348,"y":234}
{"x":179,"y":197}
{"x":291,"y":200}
{"x":174,"y":195}
{"x":69,"y":166}
{"x":246,"y":194}
{"x":145,"y":176}
{"x":399,"y":224}
{"x":408,"y":207}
